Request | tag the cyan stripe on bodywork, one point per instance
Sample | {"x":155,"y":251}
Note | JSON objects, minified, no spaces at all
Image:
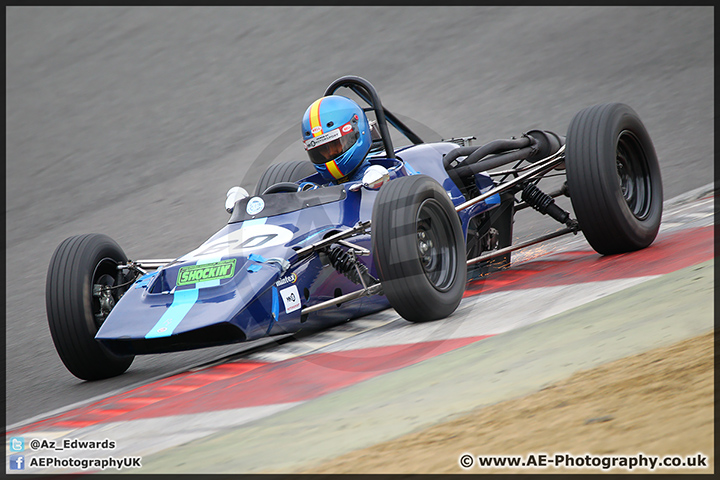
{"x":183,"y":300}
{"x":492,"y":200}
{"x":410,"y":169}
{"x":210,"y":283}
{"x":275,"y":309}
{"x":144,"y":280}
{"x":306,"y":240}
{"x":254,"y":221}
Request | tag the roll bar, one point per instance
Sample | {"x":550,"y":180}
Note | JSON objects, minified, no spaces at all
{"x":367,"y":92}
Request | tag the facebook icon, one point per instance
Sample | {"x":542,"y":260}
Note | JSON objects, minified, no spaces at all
{"x":17,"y":462}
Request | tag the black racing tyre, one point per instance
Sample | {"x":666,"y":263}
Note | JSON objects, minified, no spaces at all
{"x":281,"y":187}
{"x":74,"y":314}
{"x":614,"y":179}
{"x":419,"y":249}
{"x":284,"y":172}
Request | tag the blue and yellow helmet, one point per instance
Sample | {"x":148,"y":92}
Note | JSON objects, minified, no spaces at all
{"x":336,"y":134}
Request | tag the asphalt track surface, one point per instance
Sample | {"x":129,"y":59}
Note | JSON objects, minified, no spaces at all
{"x":560,"y":309}
{"x":134,"y":122}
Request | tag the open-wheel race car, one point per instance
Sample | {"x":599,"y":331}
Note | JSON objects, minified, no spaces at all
{"x":304,"y":253}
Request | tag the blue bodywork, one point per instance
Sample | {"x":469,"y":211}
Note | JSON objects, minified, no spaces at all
{"x":259,"y":295}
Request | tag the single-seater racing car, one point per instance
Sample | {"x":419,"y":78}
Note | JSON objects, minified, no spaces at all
{"x":302,"y":254}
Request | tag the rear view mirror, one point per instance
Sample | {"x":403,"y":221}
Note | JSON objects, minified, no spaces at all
{"x":375,"y":176}
{"x":233,"y":195}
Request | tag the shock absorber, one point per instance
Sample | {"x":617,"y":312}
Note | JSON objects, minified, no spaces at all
{"x":545,"y":204}
{"x":349,"y":265}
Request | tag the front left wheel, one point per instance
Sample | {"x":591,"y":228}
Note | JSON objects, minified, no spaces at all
{"x":82,"y":287}
{"x":284,"y":172}
{"x":419,"y":249}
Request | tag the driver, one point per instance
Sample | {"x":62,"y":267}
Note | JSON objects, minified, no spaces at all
{"x":337,"y":137}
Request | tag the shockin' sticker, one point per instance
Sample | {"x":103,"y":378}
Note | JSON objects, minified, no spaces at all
{"x":291,"y":298}
{"x":206,"y":272}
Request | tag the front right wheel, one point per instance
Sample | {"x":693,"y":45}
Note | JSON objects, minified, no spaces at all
{"x":613,"y":177}
{"x":82,"y":287}
{"x":419,"y":249}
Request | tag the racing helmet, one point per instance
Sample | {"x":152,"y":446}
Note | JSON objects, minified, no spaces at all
{"x":336,"y":135}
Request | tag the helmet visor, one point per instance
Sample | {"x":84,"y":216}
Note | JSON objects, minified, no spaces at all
{"x":330,"y":145}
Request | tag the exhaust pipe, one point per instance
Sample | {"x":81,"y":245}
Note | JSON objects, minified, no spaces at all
{"x":547,"y":143}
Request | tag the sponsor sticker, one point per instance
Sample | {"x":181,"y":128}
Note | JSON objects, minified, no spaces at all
{"x":206,"y":272}
{"x":292,"y":278}
{"x":291,"y":298}
{"x":346,"y":128}
{"x":255,"y":205}
{"x":316,"y":130}
{"x":322,"y":139}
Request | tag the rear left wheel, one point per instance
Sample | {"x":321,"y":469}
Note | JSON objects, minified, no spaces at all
{"x":613,"y":177}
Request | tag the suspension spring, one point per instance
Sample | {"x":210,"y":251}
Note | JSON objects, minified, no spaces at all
{"x":545,"y":204}
{"x":346,"y":263}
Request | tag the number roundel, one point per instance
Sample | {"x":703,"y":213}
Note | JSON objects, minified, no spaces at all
{"x":242,"y":242}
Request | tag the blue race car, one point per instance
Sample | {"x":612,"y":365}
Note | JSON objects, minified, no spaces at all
{"x":303,"y":254}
